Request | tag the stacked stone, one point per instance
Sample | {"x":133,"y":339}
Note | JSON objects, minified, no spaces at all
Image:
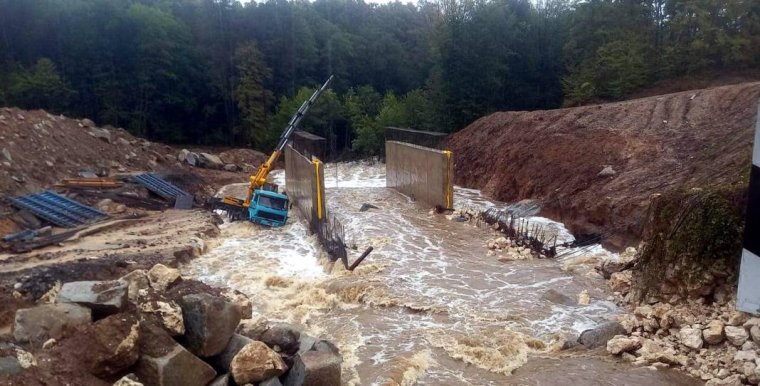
{"x":148,"y":334}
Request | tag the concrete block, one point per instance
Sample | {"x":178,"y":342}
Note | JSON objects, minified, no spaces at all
{"x":38,"y":324}
{"x":314,"y":368}
{"x":100,"y":296}
{"x":209,"y":323}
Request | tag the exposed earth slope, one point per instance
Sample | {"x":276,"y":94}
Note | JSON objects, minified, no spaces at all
{"x":689,"y":139}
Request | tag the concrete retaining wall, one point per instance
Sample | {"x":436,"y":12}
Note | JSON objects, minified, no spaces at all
{"x":429,"y":139}
{"x":305,"y":179}
{"x":422,"y":173}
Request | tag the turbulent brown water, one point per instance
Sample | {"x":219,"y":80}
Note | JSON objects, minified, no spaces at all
{"x":430,"y":305}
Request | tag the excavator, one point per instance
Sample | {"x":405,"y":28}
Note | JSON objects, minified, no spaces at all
{"x":263,"y":204}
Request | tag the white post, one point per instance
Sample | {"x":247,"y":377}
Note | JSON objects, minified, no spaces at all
{"x":748,"y":297}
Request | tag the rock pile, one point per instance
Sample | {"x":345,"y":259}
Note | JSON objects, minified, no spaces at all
{"x":206,"y":160}
{"x":155,"y":328}
{"x":703,"y":335}
{"x":507,"y":250}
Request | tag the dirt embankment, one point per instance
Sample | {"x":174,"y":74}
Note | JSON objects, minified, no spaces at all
{"x":38,"y":149}
{"x":645,"y":146}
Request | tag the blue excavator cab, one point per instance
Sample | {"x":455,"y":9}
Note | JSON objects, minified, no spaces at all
{"x":268,"y":208}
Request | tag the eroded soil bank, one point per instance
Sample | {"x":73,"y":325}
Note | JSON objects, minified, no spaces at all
{"x":595,"y":168}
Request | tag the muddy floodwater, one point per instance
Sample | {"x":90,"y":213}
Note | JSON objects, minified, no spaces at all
{"x":430,"y":305}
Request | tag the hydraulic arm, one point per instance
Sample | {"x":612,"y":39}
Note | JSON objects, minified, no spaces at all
{"x":259,"y":180}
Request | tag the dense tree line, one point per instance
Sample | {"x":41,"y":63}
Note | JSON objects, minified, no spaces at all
{"x":222,"y":72}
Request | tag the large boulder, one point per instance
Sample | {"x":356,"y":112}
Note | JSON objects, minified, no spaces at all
{"x":38,"y":324}
{"x":621,"y":344}
{"x":306,"y":343}
{"x":182,"y":155}
{"x":114,"y":345}
{"x":271,"y":382}
{"x":163,"y":362}
{"x":237,"y":342}
{"x":162,"y":277}
{"x":209,"y":323}
{"x":599,"y":335}
{"x":253,"y":328}
{"x":241,"y":300}
{"x":713,"y":334}
{"x":736,"y":335}
{"x":102,"y":134}
{"x":192,"y":159}
{"x":222,"y":380}
{"x":314,"y":368}
{"x":9,"y":365}
{"x":691,"y":338}
{"x":282,"y":337}
{"x":210,"y":161}
{"x":256,"y":362}
{"x":100,"y":296}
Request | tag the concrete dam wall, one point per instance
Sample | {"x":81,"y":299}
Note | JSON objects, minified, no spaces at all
{"x":424,"y":174}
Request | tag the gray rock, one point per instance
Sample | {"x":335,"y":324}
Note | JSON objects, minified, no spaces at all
{"x":691,"y":338}
{"x":102,"y":134}
{"x":182,"y":156}
{"x":192,"y":159}
{"x":101,"y":296}
{"x":9,"y":366}
{"x":556,"y":297}
{"x":87,"y":123}
{"x":38,"y":324}
{"x":210,"y":161}
{"x":736,"y":335}
{"x":314,"y":368}
{"x":178,"y":367}
{"x":231,"y":167}
{"x":326,"y":346}
{"x":237,"y":342}
{"x":754,"y":332}
{"x":271,"y":382}
{"x":253,"y":328}
{"x":306,"y":343}
{"x":222,"y":380}
{"x":209,"y":323}
{"x":283,"y":336}
{"x":599,"y":335}
{"x":7,"y":155}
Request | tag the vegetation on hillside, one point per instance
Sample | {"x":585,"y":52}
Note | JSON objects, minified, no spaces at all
{"x":222,"y":72}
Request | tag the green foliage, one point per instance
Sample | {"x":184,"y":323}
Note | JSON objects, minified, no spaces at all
{"x":39,"y":86}
{"x":252,"y":98}
{"x":408,"y":111}
{"x":210,"y":71}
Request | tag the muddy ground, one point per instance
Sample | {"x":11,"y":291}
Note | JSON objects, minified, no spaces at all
{"x":647,"y":146}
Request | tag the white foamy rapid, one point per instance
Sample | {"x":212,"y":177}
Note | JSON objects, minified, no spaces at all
{"x":430,"y":305}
